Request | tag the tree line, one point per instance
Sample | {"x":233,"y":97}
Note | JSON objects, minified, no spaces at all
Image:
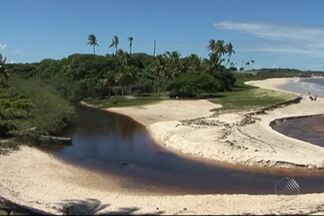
{"x":81,"y":76}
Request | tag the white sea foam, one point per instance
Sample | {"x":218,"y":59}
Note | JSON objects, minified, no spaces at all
{"x":304,"y":85}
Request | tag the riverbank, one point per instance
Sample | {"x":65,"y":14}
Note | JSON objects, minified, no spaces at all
{"x":33,"y":178}
{"x":37,"y":179}
{"x":188,"y":128}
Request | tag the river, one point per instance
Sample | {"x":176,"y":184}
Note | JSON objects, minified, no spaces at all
{"x":109,"y":143}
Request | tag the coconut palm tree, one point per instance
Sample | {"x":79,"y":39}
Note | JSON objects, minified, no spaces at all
{"x":211,"y":45}
{"x":219,"y":48}
{"x":247,"y":64}
{"x":130,"y":39}
{"x":154,"y":47}
{"x":92,"y":41}
{"x":252,"y":63}
{"x":229,"y":48}
{"x":159,"y":70}
{"x":114,"y":43}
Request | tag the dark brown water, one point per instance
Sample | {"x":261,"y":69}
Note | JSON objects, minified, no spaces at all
{"x":309,"y":129}
{"x":111,"y":143}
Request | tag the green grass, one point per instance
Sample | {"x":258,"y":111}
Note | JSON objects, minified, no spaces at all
{"x":244,"y":98}
{"x":118,"y":101}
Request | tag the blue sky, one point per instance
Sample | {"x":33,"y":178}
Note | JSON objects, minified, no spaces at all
{"x":275,"y":33}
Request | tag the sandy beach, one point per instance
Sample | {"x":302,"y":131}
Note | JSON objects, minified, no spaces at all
{"x":37,"y":179}
{"x":224,"y":138}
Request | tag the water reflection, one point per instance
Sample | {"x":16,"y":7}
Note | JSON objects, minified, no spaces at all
{"x":114,"y":144}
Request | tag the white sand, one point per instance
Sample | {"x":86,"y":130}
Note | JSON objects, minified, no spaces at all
{"x":222,"y":138}
{"x":32,"y":177}
{"x":168,"y":110}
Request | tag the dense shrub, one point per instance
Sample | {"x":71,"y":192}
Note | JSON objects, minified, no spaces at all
{"x":191,"y":85}
{"x":32,"y":107}
{"x":14,"y":111}
{"x":82,"y":76}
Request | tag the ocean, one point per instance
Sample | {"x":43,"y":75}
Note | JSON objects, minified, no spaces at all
{"x":304,"y":85}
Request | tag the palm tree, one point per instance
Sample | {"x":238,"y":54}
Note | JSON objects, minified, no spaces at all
{"x":173,"y":60}
{"x":219,"y":48}
{"x":130,"y":39}
{"x":92,"y":41}
{"x":114,"y":43}
{"x":211,"y":45}
{"x":154,"y":48}
{"x":3,"y":71}
{"x":252,"y":63}
{"x":247,"y":64}
{"x":159,"y":70}
{"x":229,"y":48}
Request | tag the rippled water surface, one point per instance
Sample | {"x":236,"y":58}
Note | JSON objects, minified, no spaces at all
{"x":315,"y":86}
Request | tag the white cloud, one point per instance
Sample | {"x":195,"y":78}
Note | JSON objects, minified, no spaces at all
{"x":278,"y":38}
{"x":272,"y":31}
{"x":3,"y":46}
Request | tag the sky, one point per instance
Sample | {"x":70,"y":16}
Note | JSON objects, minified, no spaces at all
{"x":274,"y":33}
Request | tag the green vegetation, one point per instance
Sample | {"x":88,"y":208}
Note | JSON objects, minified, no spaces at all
{"x":14,"y":111}
{"x":191,"y":85}
{"x":120,"y":101}
{"x":244,"y":98}
{"x":81,"y":76}
{"x":92,"y":41}
{"x":32,"y":101}
{"x":31,"y":107}
{"x":3,"y":72}
{"x":266,"y":73}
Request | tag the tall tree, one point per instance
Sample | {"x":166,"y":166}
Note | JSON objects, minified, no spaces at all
{"x":211,"y":45}
{"x":159,"y":69}
{"x":247,"y":65}
{"x":252,"y":63}
{"x":154,"y":48}
{"x":3,"y":71}
{"x":92,"y":41}
{"x":229,"y":48}
{"x":174,"y":64}
{"x":219,"y":48}
{"x":114,"y":43}
{"x":130,"y":39}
